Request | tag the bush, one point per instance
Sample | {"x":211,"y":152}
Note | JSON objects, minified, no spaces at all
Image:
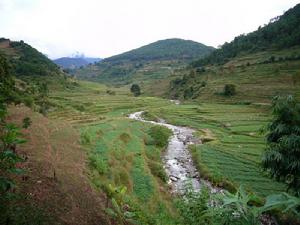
{"x":110,"y":92}
{"x":85,"y":138}
{"x":229,"y":90}
{"x":160,"y":135}
{"x":97,"y":163}
{"x":281,"y":158}
{"x":136,"y":90}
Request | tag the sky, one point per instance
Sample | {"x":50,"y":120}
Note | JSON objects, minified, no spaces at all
{"x":102,"y":28}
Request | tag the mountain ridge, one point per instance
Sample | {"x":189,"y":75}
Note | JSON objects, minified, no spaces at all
{"x":75,"y":62}
{"x":154,"y":61}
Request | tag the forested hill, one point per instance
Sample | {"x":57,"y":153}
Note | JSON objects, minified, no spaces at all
{"x":26,"y":60}
{"x":169,"y":49}
{"x":281,"y":32}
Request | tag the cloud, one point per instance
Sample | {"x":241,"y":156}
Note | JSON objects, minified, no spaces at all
{"x":103,"y":28}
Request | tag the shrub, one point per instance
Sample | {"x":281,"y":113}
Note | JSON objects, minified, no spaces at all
{"x":136,"y":90}
{"x":110,"y":92}
{"x":229,"y":90}
{"x":85,"y":138}
{"x":97,"y":163}
{"x":281,"y":158}
{"x":160,"y":135}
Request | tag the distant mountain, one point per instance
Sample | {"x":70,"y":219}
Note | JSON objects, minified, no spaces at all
{"x":26,"y":60}
{"x":154,"y":61}
{"x":282,"y":32}
{"x":169,"y":49}
{"x":74,"y":62}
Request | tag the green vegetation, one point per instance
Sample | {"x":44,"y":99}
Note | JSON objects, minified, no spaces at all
{"x":229,"y":90}
{"x":27,"y":61}
{"x":282,"y":32}
{"x":239,"y":208}
{"x":226,"y":95}
{"x":281,"y":158}
{"x":168,"y":49}
{"x":135,"y":89}
{"x":231,"y":156}
{"x":255,"y":81}
{"x":160,"y":135}
{"x":149,"y":66}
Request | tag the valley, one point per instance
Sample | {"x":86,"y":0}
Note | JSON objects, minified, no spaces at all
{"x":173,"y":132}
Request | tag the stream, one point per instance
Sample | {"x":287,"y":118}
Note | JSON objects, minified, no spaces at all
{"x":177,"y":159}
{"x":179,"y":165}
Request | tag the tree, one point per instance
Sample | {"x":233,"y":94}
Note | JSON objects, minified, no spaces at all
{"x":282,"y":156}
{"x":229,"y":90}
{"x":135,"y":89}
{"x":6,"y":82}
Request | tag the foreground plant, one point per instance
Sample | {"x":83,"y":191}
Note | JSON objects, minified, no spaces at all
{"x":119,"y":209}
{"x":282,"y":156}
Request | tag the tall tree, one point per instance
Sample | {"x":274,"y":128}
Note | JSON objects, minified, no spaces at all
{"x":282,"y":156}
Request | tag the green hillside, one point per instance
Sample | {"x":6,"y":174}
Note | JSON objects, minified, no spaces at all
{"x":26,"y":60}
{"x":282,"y":32}
{"x":169,"y":49}
{"x":151,"y":62}
{"x":261,"y":64}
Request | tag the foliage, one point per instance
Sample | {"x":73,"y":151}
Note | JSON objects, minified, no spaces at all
{"x":85,"y":138}
{"x":160,"y":135}
{"x":192,"y":206}
{"x":119,"y":210}
{"x":283,"y":202}
{"x":10,"y":137}
{"x":282,"y":32}
{"x":135,"y":89}
{"x":26,"y":122}
{"x":282,"y":156}
{"x":31,"y":62}
{"x":7,"y":84}
{"x":97,"y":163}
{"x":239,"y":208}
{"x":229,"y":90}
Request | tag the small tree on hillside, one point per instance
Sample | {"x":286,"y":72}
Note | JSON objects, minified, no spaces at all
{"x":282,"y":156}
{"x":135,"y":89}
{"x":229,"y":90}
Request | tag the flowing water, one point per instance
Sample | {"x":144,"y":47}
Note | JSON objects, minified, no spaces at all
{"x":177,"y":158}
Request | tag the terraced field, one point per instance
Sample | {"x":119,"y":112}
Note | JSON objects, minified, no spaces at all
{"x":235,"y":145}
{"x":120,"y":150}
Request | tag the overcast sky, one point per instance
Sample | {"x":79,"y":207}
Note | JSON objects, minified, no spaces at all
{"x":103,"y":28}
